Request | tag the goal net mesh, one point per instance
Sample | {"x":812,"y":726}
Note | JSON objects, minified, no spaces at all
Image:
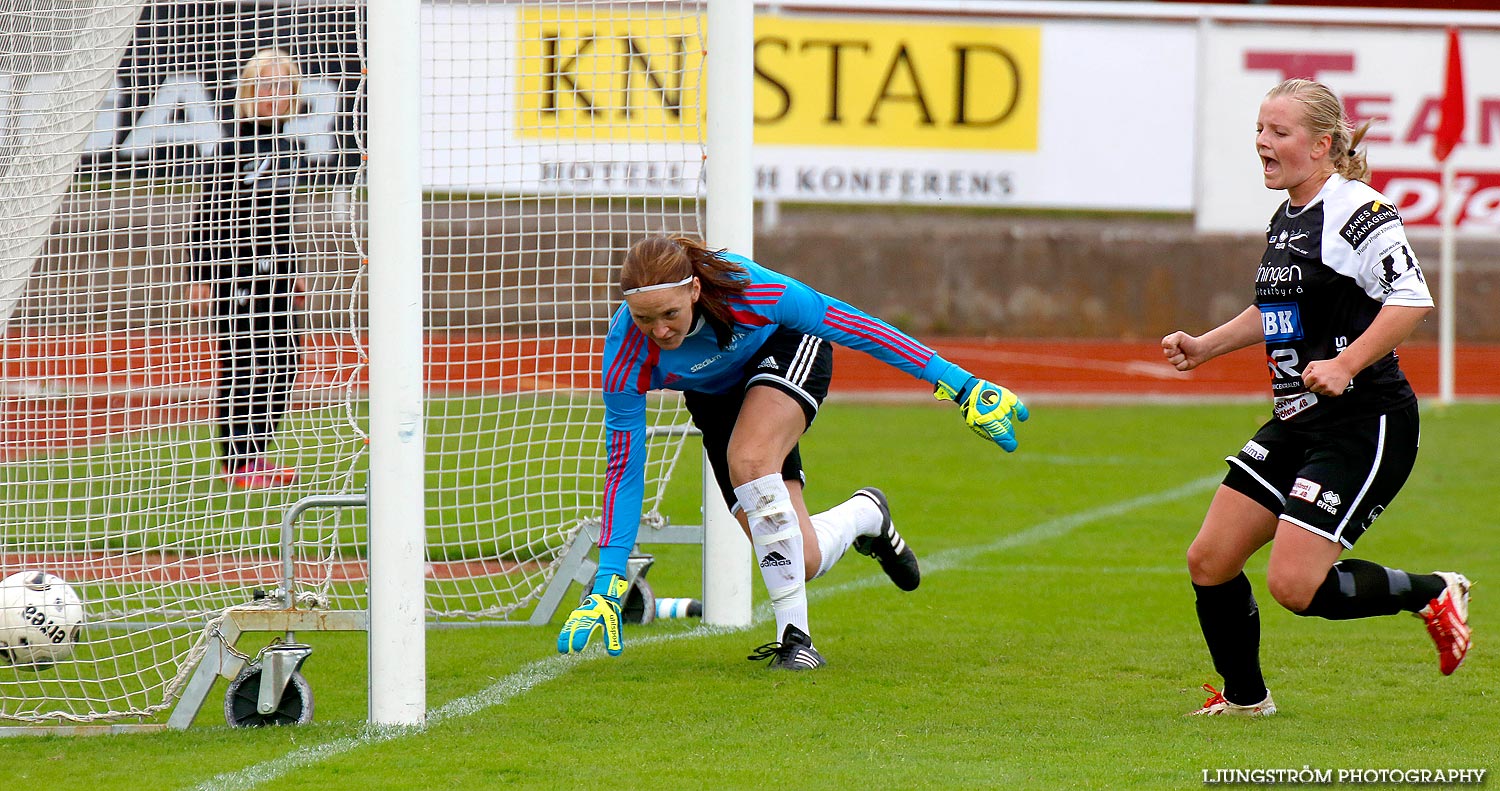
{"x":182,"y":286}
{"x":555,"y":135}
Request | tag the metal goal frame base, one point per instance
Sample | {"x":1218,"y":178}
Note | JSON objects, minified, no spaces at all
{"x":221,"y":658}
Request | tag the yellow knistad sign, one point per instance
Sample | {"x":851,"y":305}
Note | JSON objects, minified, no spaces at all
{"x":896,"y":84}
{"x":608,"y":77}
{"x":617,"y":78}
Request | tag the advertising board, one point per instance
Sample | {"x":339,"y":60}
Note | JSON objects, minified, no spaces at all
{"x":1390,"y":77}
{"x":878,"y":109}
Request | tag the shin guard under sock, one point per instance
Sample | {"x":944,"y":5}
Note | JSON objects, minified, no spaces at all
{"x":778,"y":548}
{"x":1230,"y":620}
{"x":1360,"y":589}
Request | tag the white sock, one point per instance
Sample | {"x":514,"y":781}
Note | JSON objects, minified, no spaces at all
{"x":837,"y":528}
{"x":832,"y":541}
{"x":867,"y":515}
{"x":778,"y":548}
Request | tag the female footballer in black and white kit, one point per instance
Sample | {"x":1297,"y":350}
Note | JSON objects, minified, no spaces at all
{"x":1337,"y":289}
{"x":245,"y":270}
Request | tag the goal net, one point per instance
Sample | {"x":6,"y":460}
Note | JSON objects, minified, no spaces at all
{"x":183,"y":310}
{"x":555,"y":135}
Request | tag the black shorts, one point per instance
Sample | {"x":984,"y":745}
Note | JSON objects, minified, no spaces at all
{"x":796,"y":364}
{"x":1331,"y":481}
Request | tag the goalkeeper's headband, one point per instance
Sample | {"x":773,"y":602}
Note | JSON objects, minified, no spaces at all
{"x":659,"y":286}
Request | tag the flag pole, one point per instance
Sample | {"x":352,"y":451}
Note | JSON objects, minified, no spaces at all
{"x":1448,"y":135}
{"x":1447,"y":276}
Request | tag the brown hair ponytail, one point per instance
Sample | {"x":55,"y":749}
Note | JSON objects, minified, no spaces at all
{"x":1323,"y":114}
{"x":667,"y":259}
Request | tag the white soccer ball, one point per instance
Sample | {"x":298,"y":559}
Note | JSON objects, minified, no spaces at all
{"x":41,"y":617}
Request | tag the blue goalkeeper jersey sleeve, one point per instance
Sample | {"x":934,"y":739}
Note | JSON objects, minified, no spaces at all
{"x":633,"y":364}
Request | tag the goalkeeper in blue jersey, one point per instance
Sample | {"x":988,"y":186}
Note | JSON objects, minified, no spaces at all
{"x":749,"y":349}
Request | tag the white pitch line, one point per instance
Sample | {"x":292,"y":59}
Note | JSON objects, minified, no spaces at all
{"x":543,"y":670}
{"x":1032,"y":568}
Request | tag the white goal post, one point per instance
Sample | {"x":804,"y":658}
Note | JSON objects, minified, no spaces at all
{"x":730,"y":224}
{"x":398,"y":655}
{"x":443,"y":208}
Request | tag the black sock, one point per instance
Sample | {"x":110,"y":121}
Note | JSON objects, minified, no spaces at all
{"x":1424,"y":588}
{"x":1360,"y":589}
{"x":1231,"y":626}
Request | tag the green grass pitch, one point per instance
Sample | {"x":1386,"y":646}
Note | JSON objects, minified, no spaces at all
{"x":1052,"y":644}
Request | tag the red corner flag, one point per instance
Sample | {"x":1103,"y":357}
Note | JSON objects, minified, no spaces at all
{"x":1451,"y":123}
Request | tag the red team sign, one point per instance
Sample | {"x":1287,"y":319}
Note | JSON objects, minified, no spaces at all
{"x":1416,"y":194}
{"x":1402,"y":82}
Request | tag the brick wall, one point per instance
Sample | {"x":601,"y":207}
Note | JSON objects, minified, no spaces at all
{"x":971,"y":274}
{"x":120,"y":265}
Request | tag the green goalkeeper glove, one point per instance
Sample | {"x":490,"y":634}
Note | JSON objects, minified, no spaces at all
{"x":599,"y":610}
{"x":987,"y":408}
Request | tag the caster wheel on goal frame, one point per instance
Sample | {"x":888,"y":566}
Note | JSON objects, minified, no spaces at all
{"x":242,"y":702}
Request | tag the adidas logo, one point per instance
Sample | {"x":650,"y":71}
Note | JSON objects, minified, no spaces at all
{"x":806,"y":660}
{"x":769,"y":362}
{"x":774,"y":559}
